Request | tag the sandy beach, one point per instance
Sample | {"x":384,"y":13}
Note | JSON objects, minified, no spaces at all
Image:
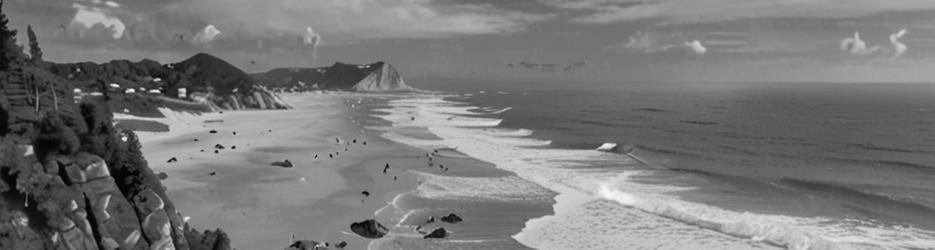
{"x":262,"y":206}
{"x":259,"y":205}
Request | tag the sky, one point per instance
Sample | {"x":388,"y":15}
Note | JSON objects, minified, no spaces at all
{"x":610,"y":40}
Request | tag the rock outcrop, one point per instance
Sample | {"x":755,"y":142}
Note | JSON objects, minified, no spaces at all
{"x":369,"y":229}
{"x":451,"y":218}
{"x":438,"y":233}
{"x":374,"y":77}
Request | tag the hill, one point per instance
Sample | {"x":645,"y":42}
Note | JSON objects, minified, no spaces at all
{"x":378,"y":76}
{"x":201,"y":78}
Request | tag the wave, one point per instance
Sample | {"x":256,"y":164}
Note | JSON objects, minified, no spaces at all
{"x":875,"y":204}
{"x":507,"y":188}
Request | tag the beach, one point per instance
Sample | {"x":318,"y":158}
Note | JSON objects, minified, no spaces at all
{"x":338,"y":154}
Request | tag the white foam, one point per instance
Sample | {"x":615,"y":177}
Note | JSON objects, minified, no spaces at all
{"x":637,"y":209}
{"x":607,"y":147}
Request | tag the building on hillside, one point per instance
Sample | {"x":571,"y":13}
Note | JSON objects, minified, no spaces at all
{"x":183,"y":93}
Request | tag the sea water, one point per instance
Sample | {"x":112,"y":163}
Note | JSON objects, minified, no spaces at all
{"x":708,"y":166}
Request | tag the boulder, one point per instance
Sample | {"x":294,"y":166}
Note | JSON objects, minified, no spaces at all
{"x":155,"y":222}
{"x":369,"y":229}
{"x":452,"y":218}
{"x":438,"y":233}
{"x":284,"y":164}
{"x":307,"y":245}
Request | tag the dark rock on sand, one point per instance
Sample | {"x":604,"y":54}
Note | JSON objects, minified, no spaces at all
{"x":284,"y":163}
{"x":307,"y":245}
{"x":430,"y":220}
{"x":439,"y":233}
{"x":452,"y":218}
{"x":341,"y":245}
{"x":213,"y":131}
{"x":218,"y":146}
{"x":213,"y":173}
{"x":365,"y":193}
{"x":369,"y":229}
{"x":162,"y":175}
{"x":171,"y":160}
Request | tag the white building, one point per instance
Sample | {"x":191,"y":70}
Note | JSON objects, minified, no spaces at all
{"x":183,"y":93}
{"x":129,"y":91}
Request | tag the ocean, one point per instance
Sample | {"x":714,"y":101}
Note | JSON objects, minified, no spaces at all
{"x":710,"y":165}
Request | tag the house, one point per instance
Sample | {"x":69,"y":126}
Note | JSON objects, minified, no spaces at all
{"x":129,"y":91}
{"x":183,"y":93}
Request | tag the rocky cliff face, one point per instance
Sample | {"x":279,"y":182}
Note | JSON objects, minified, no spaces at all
{"x":377,"y":76}
{"x":384,"y":78}
{"x":68,"y":180}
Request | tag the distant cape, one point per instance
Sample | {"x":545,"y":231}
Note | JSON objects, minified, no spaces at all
{"x":374,"y":77}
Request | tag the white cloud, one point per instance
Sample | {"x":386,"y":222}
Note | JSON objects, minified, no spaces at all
{"x":206,"y":35}
{"x":311,"y":38}
{"x":692,"y":11}
{"x":696,"y":46}
{"x":90,"y":16}
{"x":652,"y":42}
{"x":112,"y":4}
{"x":856,"y":46}
{"x":899,"y":48}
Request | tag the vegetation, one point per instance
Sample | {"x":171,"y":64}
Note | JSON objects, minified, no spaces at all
{"x":10,"y":53}
{"x":35,"y":52}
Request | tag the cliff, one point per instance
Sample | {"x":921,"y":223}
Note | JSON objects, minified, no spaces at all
{"x":374,"y":77}
{"x":70,"y":180}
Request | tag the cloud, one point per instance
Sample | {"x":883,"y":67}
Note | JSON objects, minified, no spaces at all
{"x":311,"y":38}
{"x":696,"y":46}
{"x":206,"y":35}
{"x":701,"y":11}
{"x":346,"y":20}
{"x":856,"y":46}
{"x":652,"y":42}
{"x":112,"y":4}
{"x":899,"y":48}
{"x":90,"y":16}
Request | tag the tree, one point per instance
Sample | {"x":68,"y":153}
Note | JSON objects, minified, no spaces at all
{"x":34,"y":49}
{"x":10,"y":53}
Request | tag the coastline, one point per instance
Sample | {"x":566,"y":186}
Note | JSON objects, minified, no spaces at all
{"x":262,"y":206}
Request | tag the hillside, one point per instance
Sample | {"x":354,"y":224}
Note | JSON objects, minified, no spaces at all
{"x":201,"y":78}
{"x":378,"y":76}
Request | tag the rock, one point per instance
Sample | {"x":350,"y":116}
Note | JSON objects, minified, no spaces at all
{"x":307,"y":245}
{"x":213,"y":173}
{"x":218,"y":146}
{"x":369,"y":229}
{"x":438,"y":233}
{"x":162,"y":175}
{"x":209,"y":240}
{"x":430,"y":220}
{"x":452,"y":218}
{"x":365,"y":193}
{"x":285,"y":164}
{"x":171,"y":160}
{"x":341,"y":245}
{"x":213,"y":131}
